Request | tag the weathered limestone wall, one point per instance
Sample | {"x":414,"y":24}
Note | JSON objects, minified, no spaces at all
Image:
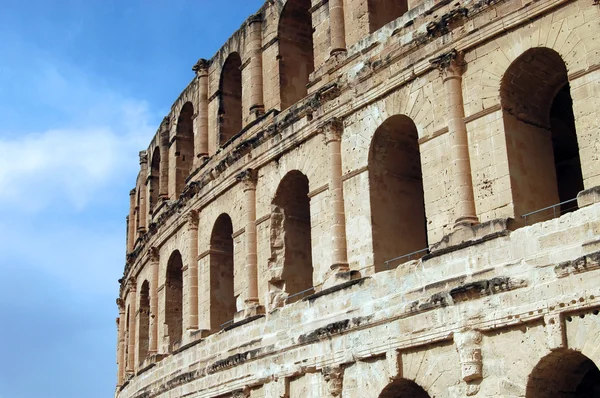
{"x":492,"y":305}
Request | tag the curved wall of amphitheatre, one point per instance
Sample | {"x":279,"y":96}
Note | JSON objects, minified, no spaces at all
{"x":374,"y":198}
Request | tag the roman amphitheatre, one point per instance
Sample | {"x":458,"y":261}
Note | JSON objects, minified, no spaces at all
{"x":373,"y":198}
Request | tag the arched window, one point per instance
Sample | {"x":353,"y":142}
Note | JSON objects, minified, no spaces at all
{"x":296,"y":56}
{"x":144,"y":319}
{"x":543,"y":155}
{"x":184,"y":153}
{"x":154,"y":180}
{"x":564,"y":373}
{"x":382,"y":12}
{"x":222,"y":299}
{"x":230,"y":86}
{"x":290,"y":236}
{"x":403,"y":388}
{"x":396,"y":192}
{"x":174,"y":298}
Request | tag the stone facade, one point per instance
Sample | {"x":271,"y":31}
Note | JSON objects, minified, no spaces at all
{"x":374,"y":198}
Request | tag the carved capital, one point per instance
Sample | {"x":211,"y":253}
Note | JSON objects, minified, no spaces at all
{"x":201,"y":65}
{"x":468,"y":345}
{"x":241,"y":393}
{"x":143,"y":157}
{"x":153,"y":255}
{"x":451,"y":64}
{"x":131,"y":285}
{"x":248,"y":178}
{"x":192,"y":219}
{"x":121,"y":305}
{"x":132,"y":192}
{"x":334,"y":377}
{"x":258,"y":17}
{"x":332,"y":130}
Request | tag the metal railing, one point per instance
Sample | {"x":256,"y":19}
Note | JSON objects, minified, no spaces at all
{"x":300,"y":295}
{"x":408,"y":257}
{"x":224,"y":325}
{"x":554,"y":209}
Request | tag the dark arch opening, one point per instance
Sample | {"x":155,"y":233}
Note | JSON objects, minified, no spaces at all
{"x":403,"y":388}
{"x":564,"y":373}
{"x":396,"y":192}
{"x":296,"y":54}
{"x":184,"y":144}
{"x":291,"y":235}
{"x":154,"y":180}
{"x":144,"y":319}
{"x":222,"y":299}
{"x":541,"y":141}
{"x":230,"y":111}
{"x":382,"y":12}
{"x":174,"y":298}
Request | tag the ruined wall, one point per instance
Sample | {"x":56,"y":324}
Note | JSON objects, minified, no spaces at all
{"x":410,"y":130}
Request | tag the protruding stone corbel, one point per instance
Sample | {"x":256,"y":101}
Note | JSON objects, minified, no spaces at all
{"x":334,"y":377}
{"x":468,"y":345}
{"x":143,"y":157}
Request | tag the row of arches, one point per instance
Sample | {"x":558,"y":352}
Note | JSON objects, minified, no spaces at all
{"x":560,"y":374}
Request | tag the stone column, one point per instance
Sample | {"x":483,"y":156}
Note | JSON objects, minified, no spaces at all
{"x":257,"y":106}
{"x":249,"y":178}
{"x":192,"y":220}
{"x":132,"y":310}
{"x":336,"y":27}
{"x":451,"y":64}
{"x":121,"y":343}
{"x":131,"y":222}
{"x":143,"y":214}
{"x":201,"y":141}
{"x":333,"y":137}
{"x":153,"y":260}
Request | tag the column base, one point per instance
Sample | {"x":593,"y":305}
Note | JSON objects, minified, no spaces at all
{"x":252,"y":309}
{"x":339,"y":274}
{"x":467,"y":221}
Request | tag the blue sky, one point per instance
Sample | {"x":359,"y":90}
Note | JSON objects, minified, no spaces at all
{"x":83,"y":87}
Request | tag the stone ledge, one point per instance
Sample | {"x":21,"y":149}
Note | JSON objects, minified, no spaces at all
{"x":335,"y":288}
{"x":243,"y":322}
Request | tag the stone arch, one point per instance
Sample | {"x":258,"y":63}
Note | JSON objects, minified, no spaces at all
{"x":154,"y":180}
{"x":230,"y":106}
{"x":296,"y":51}
{"x":174,"y":298}
{"x":144,"y":321}
{"x":564,"y":373}
{"x":396,"y":191}
{"x":290,"y":263}
{"x":184,"y":152}
{"x":541,"y":141}
{"x":382,"y":12}
{"x":222,"y":298}
{"x":403,"y":388}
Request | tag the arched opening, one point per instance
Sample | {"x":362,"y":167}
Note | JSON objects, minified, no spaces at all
{"x":290,"y":236}
{"x":154,"y":180}
{"x":174,"y":298}
{"x":543,"y":155}
{"x":184,"y":144}
{"x":230,"y":110}
{"x":222,"y":299}
{"x":296,"y":55}
{"x":382,"y":12}
{"x":564,"y":373}
{"x":144,"y":319}
{"x":396,"y":192}
{"x":403,"y":388}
